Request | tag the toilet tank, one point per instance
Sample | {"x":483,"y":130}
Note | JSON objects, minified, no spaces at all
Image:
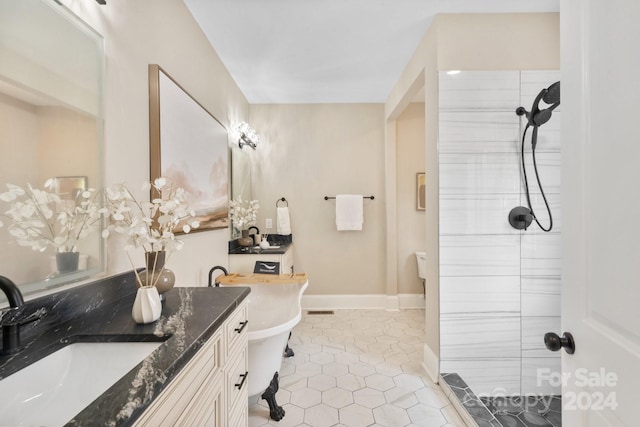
{"x":421,"y":259}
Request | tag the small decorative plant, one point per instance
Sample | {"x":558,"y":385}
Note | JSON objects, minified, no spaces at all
{"x":149,"y":225}
{"x":243,"y":213}
{"x":41,"y":218}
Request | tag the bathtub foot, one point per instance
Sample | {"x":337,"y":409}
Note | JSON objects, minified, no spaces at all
{"x":287,"y":350}
{"x":275,"y":412}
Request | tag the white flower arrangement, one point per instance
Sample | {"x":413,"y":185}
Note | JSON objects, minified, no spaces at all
{"x":243,"y":217}
{"x":149,"y":225}
{"x":40,"y":218}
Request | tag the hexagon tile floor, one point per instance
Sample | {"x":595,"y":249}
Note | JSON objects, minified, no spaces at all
{"x":357,"y":368}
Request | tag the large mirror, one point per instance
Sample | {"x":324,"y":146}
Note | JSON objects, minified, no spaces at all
{"x":51,"y":129}
{"x":240,"y":176}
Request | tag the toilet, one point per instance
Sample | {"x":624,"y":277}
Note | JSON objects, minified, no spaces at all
{"x":421,"y":259}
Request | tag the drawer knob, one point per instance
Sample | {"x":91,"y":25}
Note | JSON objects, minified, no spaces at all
{"x":242,"y":325}
{"x":243,"y":378}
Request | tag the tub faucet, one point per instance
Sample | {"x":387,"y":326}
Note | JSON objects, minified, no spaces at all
{"x":217,"y":267}
{"x":11,"y":327}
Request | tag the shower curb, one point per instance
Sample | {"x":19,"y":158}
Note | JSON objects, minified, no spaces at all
{"x":471,"y":409}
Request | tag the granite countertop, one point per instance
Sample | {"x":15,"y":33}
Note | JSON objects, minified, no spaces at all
{"x":253,"y":250}
{"x":189,"y":317}
{"x":279,"y":245}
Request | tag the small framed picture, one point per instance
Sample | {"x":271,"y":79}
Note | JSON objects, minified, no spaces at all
{"x":68,"y":187}
{"x":420,"y":193}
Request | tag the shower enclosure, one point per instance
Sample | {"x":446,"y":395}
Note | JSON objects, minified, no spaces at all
{"x":499,"y":286}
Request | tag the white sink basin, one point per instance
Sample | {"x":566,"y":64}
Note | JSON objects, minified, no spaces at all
{"x":53,"y":390}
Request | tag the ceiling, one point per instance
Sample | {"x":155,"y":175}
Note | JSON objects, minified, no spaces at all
{"x":327,"y":51}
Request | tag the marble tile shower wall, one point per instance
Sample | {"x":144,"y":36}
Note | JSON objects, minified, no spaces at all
{"x":499,"y":287}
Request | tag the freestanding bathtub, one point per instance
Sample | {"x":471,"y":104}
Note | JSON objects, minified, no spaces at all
{"x":274,"y":309}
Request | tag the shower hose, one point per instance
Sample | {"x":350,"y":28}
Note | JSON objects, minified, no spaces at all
{"x":534,"y":141}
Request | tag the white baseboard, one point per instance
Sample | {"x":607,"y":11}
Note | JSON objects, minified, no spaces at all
{"x":393,"y":303}
{"x":411,"y":300}
{"x":371,"y":301}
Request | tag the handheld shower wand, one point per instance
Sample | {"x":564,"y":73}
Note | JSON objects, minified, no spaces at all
{"x":521,"y":217}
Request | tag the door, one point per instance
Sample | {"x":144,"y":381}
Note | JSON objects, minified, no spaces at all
{"x":600,"y":205}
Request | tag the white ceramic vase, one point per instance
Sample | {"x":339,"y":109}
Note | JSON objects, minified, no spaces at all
{"x":264,"y":244}
{"x":147,"y":305}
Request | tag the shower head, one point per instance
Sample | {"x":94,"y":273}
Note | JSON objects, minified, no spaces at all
{"x":552,"y":94}
{"x":538,"y":117}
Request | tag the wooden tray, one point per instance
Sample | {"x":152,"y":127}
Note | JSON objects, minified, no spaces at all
{"x":252,"y":278}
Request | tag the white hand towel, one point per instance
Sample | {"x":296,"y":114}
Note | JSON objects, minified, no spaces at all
{"x":349,"y":212}
{"x":283,"y":222}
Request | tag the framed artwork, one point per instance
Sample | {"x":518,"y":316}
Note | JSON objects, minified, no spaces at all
{"x":420,"y":191}
{"x":68,"y":187}
{"x":189,"y":146}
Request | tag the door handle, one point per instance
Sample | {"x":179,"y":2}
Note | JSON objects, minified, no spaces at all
{"x":554,"y":343}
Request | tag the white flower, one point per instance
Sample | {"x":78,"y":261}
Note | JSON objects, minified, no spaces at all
{"x":159,"y":183}
{"x":41,"y":218}
{"x":150,"y":225}
{"x":243,"y":217}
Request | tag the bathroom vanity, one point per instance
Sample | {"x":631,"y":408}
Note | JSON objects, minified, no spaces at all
{"x":243,"y":260}
{"x":197,"y":375}
{"x":211,"y":390}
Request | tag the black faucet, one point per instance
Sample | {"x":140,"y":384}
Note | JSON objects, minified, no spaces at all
{"x":14,"y":296}
{"x":217,"y":267}
{"x":11,"y":327}
{"x":255,"y":235}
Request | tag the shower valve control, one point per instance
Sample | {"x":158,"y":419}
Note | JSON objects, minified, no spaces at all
{"x":554,"y":343}
{"x":520,"y":218}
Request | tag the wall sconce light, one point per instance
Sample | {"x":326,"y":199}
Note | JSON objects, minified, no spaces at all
{"x":247,"y":136}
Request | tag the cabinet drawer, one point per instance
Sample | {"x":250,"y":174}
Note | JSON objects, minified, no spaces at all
{"x":236,"y":329}
{"x":237,"y":381}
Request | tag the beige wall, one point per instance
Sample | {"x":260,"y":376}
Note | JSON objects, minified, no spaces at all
{"x":68,"y":145}
{"x":19,"y":136}
{"x":465,"y":42}
{"x":138,"y":33}
{"x":422,"y":72}
{"x":528,"y":41}
{"x":411,"y":222}
{"x":310,"y":151}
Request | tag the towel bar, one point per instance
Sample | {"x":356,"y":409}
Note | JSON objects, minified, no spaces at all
{"x":364,"y":197}
{"x":282,"y":199}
